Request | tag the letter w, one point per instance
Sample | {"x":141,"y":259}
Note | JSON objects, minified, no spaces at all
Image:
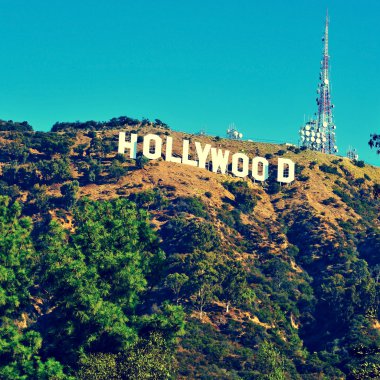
{"x":219,"y":160}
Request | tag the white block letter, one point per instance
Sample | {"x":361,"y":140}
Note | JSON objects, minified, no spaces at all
{"x":169,"y":150}
{"x":219,"y":160}
{"x":132,"y":145}
{"x":185,"y":154}
{"x":284,"y":164}
{"x":157,"y":146}
{"x":202,"y":154}
{"x":235,"y":165}
{"x":255,"y":169}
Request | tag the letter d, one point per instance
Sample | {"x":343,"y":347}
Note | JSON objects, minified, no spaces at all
{"x":281,"y":170}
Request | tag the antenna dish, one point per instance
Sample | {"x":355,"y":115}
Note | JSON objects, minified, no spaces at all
{"x":233,"y":133}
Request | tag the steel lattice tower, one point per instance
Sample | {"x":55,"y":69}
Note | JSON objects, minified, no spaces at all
{"x":319,"y":134}
{"x":325,"y":122}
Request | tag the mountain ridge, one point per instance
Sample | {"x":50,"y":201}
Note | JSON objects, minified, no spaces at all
{"x":306,"y":253}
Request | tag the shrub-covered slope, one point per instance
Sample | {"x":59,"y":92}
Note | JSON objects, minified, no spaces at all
{"x":114,"y":265}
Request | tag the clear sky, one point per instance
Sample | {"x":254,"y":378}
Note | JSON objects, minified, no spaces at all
{"x":193,"y":64}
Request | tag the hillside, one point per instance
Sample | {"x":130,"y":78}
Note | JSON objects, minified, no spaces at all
{"x":275,"y":281}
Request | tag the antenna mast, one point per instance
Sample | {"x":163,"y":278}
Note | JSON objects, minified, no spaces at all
{"x":325,"y":122}
{"x":319,"y":134}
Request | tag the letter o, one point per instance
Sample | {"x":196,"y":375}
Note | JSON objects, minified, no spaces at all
{"x":235,"y":165}
{"x":157,"y":146}
{"x":255,"y":168}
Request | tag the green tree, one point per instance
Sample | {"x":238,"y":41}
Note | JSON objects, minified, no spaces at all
{"x":148,"y":359}
{"x":39,"y":195}
{"x":91,"y":170}
{"x":52,"y":143}
{"x":108,"y":146}
{"x":278,"y":269}
{"x":10,"y":191}
{"x":269,"y":362}
{"x":117,"y":170}
{"x":55,"y":170}
{"x":374,"y":142}
{"x":96,"y":145}
{"x":95,"y":278}
{"x":244,"y":196}
{"x":19,"y":346}
{"x":143,"y":199}
{"x":69,"y":193}
{"x":235,"y":289}
{"x":192,"y":205}
{"x":334,"y":288}
{"x":150,"y":199}
{"x":185,"y":236}
{"x":16,"y":257}
{"x":25,"y":176}
{"x":175,"y":282}
{"x":17,"y":152}
{"x":204,"y":279}
{"x":99,"y":366}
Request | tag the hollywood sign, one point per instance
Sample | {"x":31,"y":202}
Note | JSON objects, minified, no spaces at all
{"x":241,"y":164}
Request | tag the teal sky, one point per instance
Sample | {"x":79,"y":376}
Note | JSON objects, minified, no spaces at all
{"x":193,"y":64}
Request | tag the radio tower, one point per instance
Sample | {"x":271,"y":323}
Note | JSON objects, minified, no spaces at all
{"x":319,"y":134}
{"x":325,"y":116}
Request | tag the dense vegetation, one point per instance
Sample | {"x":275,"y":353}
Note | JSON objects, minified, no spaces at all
{"x":115,"y":122}
{"x":140,"y":281}
{"x":82,"y":293}
{"x":11,"y":125}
